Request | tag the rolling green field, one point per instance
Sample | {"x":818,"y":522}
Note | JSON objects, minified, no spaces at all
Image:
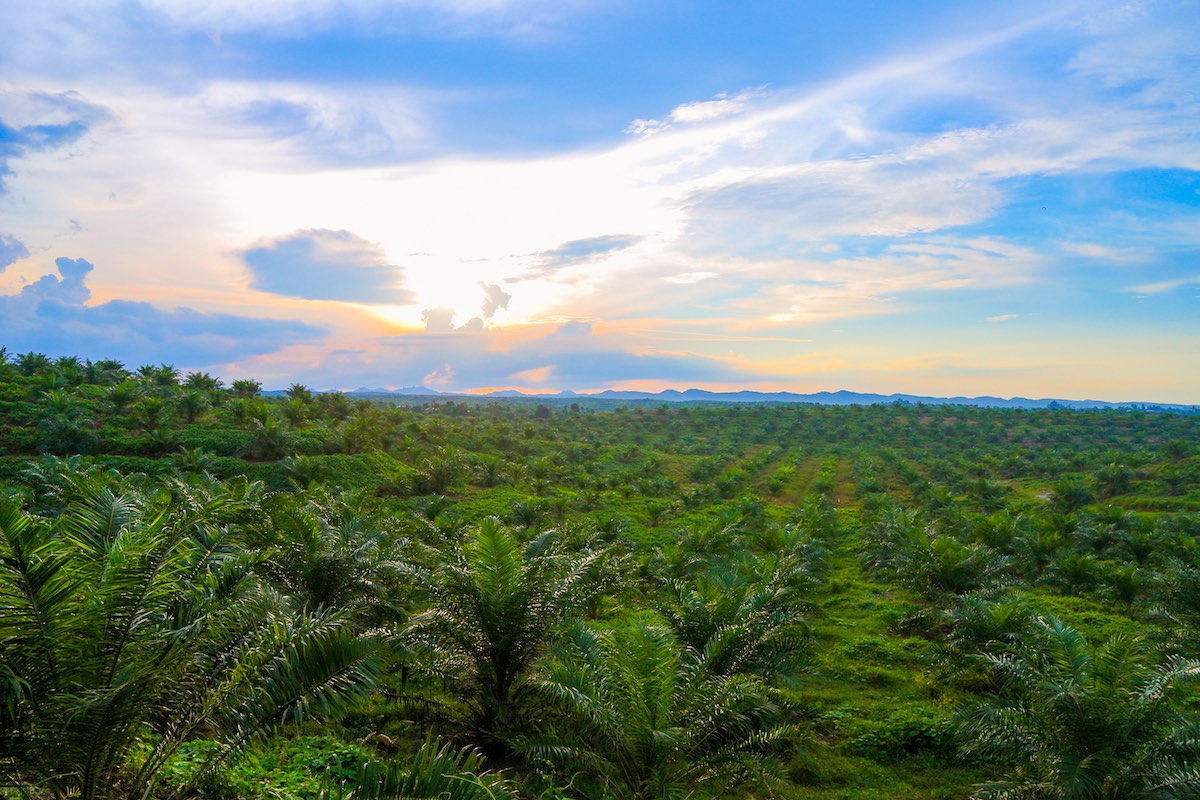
{"x":207,"y":592}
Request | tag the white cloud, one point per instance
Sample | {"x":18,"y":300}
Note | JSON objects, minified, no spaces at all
{"x":494,"y":299}
{"x":689,"y":277}
{"x":1003,"y":318}
{"x":805,"y":291}
{"x":1109,"y":253}
{"x":720,"y":107}
{"x":646,"y":127}
{"x":438,"y":320}
{"x":1161,"y":287}
{"x":707,"y":110}
{"x":372,"y":124}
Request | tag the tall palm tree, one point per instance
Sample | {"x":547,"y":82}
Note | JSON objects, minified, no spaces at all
{"x":493,"y":602}
{"x":1083,"y":722}
{"x":107,"y":372}
{"x":202,"y":382}
{"x":192,"y":404}
{"x":642,"y":720}
{"x":29,"y":364}
{"x":246,"y":387}
{"x":128,"y":627}
{"x":121,"y":395}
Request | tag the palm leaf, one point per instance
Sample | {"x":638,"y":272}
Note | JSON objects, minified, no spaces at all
{"x":438,"y":771}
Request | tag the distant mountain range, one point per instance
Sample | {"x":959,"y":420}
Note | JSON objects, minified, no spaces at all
{"x":839,"y":398}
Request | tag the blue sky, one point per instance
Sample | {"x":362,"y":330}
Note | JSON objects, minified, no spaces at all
{"x":939,"y":198}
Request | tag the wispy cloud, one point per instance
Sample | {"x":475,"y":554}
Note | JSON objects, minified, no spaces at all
{"x":579,"y":251}
{"x":450,"y":17}
{"x":1162,"y":287}
{"x":689,"y":277}
{"x":36,"y":121}
{"x":721,"y":106}
{"x":1109,"y":253}
{"x":811,"y":290}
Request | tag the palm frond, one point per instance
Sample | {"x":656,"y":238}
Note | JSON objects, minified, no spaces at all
{"x":438,"y":771}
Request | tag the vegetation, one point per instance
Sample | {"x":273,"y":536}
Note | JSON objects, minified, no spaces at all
{"x":224,"y":593}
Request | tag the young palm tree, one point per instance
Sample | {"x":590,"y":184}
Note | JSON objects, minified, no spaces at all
{"x":735,"y":625}
{"x":270,"y":439}
{"x":932,"y":563}
{"x":328,"y":551}
{"x":1079,"y":722}
{"x":974,"y":625}
{"x":641,"y":720}
{"x":492,"y":605}
{"x":1179,"y":590}
{"x":127,"y":628}
{"x":57,"y":482}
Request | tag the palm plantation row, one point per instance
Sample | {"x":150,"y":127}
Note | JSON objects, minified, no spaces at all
{"x":483,"y":599}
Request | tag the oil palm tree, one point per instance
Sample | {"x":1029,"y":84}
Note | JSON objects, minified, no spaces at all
{"x":57,"y":482}
{"x":930,"y":562}
{"x":202,"y":382}
{"x":1083,"y":722}
{"x":493,"y":603}
{"x":270,"y":440}
{"x":642,"y":720}
{"x":128,"y":627}
{"x":735,"y":625}
{"x":163,"y":376}
{"x":192,"y":404}
{"x":246,"y":387}
{"x":29,"y":364}
{"x":121,"y":395}
{"x":327,"y":550}
{"x":974,"y":625}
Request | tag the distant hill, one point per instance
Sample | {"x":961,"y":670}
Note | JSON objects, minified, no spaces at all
{"x":838,"y":398}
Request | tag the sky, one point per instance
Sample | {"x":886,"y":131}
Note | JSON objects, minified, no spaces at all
{"x":939,"y":198}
